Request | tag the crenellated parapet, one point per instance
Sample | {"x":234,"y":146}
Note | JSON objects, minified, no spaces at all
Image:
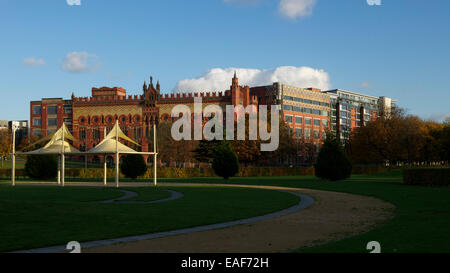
{"x":176,"y":98}
{"x":108,"y":99}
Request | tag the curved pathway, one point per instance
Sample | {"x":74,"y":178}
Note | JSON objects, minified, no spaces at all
{"x":130,"y":194}
{"x":332,"y":217}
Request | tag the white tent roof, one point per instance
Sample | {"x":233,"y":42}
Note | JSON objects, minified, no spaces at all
{"x":109,"y":145}
{"x":116,"y":131}
{"x":54,"y":146}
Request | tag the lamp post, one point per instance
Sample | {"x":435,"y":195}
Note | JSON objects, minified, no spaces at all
{"x":63,"y":163}
{"x":117,"y":153}
{"x":105,"y":173}
{"x":154,"y":155}
{"x":13,"y":167}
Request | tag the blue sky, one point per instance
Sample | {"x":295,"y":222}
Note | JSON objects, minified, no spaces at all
{"x":399,"y":49}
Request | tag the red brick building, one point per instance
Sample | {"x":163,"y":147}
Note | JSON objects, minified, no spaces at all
{"x":89,"y":117}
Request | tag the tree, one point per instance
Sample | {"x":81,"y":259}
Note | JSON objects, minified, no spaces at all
{"x":169,"y":150}
{"x":41,"y":166}
{"x":225,"y":161}
{"x":5,"y":144}
{"x":133,"y":166}
{"x":399,"y":138}
{"x":287,"y":148}
{"x":205,"y":150}
{"x":333,"y":163}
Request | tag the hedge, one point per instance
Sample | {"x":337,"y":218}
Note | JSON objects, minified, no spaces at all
{"x":432,"y":177}
{"x":6,"y":173}
{"x":200,"y":172}
{"x":368,"y":169}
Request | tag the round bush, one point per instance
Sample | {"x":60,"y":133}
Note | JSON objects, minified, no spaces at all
{"x":133,"y":166}
{"x":41,"y":166}
{"x":333,"y":163}
{"x":225,"y":161}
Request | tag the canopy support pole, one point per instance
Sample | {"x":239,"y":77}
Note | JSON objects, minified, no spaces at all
{"x":155,"y":162}
{"x":13,"y":167}
{"x":104,"y":172}
{"x":63,"y":163}
{"x":59,"y":169}
{"x":117,"y":153}
{"x":104,"y":164}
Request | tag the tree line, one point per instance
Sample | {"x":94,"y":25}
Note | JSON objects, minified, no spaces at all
{"x":399,"y":138}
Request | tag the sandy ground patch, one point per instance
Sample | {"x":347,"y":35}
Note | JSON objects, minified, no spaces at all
{"x":333,"y":216}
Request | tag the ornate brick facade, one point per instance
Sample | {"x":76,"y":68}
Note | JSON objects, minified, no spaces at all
{"x":89,"y":117}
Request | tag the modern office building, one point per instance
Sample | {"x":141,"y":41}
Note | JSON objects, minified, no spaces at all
{"x":21,"y":128}
{"x":350,"y":110}
{"x":4,"y":125}
{"x":305,"y":110}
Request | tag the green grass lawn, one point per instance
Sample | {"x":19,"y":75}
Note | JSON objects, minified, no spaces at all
{"x":421,"y":224}
{"x":151,"y":194}
{"x":34,"y":217}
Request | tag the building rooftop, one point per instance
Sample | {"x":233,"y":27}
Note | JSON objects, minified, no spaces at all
{"x":335,"y":91}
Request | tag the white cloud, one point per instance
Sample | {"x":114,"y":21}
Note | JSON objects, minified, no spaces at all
{"x":218,"y":79}
{"x":73,"y":2}
{"x":33,"y":62}
{"x":288,"y":8}
{"x":439,"y":117}
{"x":77,"y":62}
{"x":296,"y":8}
{"x":366,"y":84}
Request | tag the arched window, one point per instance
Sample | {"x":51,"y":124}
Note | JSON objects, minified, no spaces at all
{"x":96,"y":134}
{"x":82,"y":133}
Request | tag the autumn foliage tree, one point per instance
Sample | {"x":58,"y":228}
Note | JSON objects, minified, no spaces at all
{"x":400,"y":138}
{"x":5,"y":144}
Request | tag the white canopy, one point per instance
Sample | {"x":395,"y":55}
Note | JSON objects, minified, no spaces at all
{"x":111,"y":145}
{"x":108,"y":146}
{"x":55,"y":145}
{"x":54,"y":148}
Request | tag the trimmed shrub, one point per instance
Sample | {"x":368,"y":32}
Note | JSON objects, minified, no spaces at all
{"x":225,"y":161}
{"x":41,"y":167}
{"x":432,"y":177}
{"x":133,"y":166}
{"x":333,"y":163}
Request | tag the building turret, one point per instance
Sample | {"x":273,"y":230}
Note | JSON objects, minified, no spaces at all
{"x":145,"y":88}
{"x":235,"y":82}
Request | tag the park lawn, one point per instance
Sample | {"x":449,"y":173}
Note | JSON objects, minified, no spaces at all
{"x":35,"y":217}
{"x":421,"y":224}
{"x":146,"y":195}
